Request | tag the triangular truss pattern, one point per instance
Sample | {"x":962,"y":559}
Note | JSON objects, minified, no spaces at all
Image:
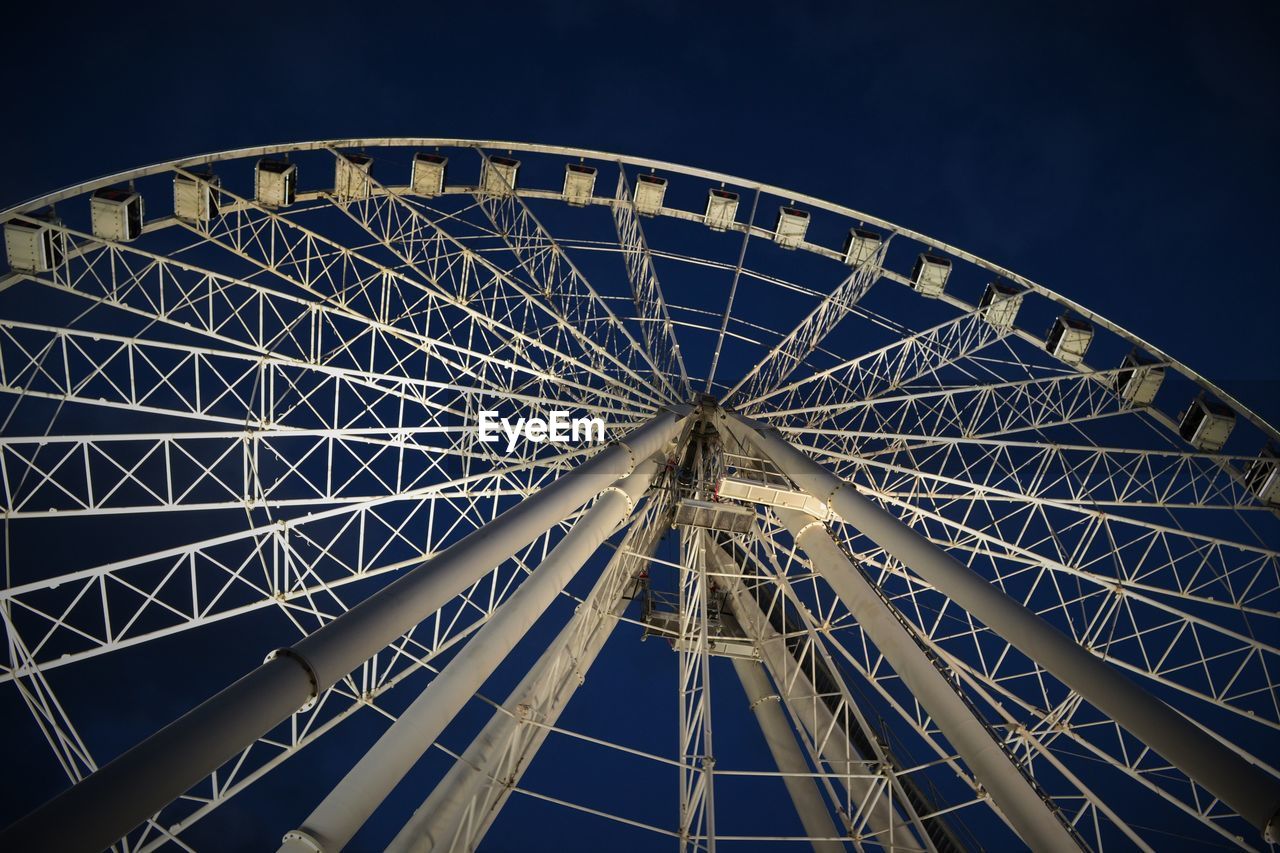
{"x":254,"y":422}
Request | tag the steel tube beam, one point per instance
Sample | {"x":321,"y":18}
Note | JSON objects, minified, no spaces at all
{"x":827,"y":733}
{"x":830,"y":736}
{"x":786,"y":753}
{"x":460,"y":809}
{"x":109,"y":803}
{"x":340,"y":815}
{"x":1247,"y":789}
{"x":1034,"y":819}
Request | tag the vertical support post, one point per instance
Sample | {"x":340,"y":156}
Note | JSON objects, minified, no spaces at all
{"x":787,"y":757}
{"x":1253,"y":793}
{"x":340,"y":815}
{"x":106,"y":805}
{"x":697,"y":757}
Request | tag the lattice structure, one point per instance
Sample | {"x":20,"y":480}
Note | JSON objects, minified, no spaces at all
{"x":251,"y":419}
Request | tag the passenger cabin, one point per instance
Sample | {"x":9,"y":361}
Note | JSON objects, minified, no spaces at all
{"x":648,"y":194}
{"x":1069,"y":338}
{"x":34,"y":243}
{"x":1262,"y":475}
{"x":722,"y":209}
{"x":1000,"y":304}
{"x":1207,"y":424}
{"x":275,"y":183}
{"x":579,"y":183}
{"x":498,"y":176}
{"x":860,"y":246}
{"x":426,"y":175}
{"x":1139,"y":379}
{"x":351,"y":176}
{"x":116,"y":214}
{"x":929,"y":275}
{"x":792,"y":225}
{"x":195,"y":196}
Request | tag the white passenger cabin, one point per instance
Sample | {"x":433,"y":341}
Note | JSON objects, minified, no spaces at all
{"x":860,"y":246}
{"x":1000,"y":304}
{"x":929,"y":276}
{"x":579,"y":183}
{"x":1207,"y":424}
{"x":649,"y":193}
{"x":1139,"y":379}
{"x":498,"y":176}
{"x":722,"y":209}
{"x":1263,"y":475}
{"x":426,"y":176}
{"x":351,"y":176}
{"x":275,"y":183}
{"x":34,"y":243}
{"x":792,"y":225}
{"x":116,"y":214}
{"x":195,"y":196}
{"x":1069,"y":338}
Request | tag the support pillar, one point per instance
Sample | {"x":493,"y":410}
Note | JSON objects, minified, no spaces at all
{"x":1032,"y":817}
{"x":804,"y":792}
{"x":106,"y":805}
{"x":1247,"y":789}
{"x":460,"y":809}
{"x":340,"y":815}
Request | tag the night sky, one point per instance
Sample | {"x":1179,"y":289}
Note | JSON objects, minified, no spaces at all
{"x":1123,"y":155}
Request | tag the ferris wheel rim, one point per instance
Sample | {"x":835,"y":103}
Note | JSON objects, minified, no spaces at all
{"x":1272,"y":431}
{"x":176,"y":166}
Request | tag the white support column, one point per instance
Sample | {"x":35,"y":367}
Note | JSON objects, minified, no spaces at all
{"x":787,"y":756}
{"x":1249,"y":790}
{"x":460,"y":809}
{"x":1034,"y":819}
{"x":106,"y":805}
{"x":874,"y":813}
{"x":340,"y":815}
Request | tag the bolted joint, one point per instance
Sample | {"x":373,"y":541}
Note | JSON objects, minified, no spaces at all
{"x":306,"y":667}
{"x":301,"y":839}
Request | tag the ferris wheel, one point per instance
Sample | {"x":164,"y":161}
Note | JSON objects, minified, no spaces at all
{"x":957,"y":562}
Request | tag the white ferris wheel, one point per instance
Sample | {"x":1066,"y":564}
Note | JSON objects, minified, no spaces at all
{"x":957,"y":562}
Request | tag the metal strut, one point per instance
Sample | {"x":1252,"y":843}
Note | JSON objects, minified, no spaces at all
{"x":340,"y":815}
{"x":1247,"y":789}
{"x":786,"y":753}
{"x":465,"y":802}
{"x":106,"y":805}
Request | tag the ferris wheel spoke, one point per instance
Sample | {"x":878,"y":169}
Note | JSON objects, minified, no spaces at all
{"x":1170,"y":651}
{"x":1083,"y":473}
{"x":247,"y":315}
{"x":462,"y":341}
{"x":554,"y":276}
{"x":984,"y":411}
{"x":1050,"y":729}
{"x":803,"y":340}
{"x":878,"y":372}
{"x":646,"y":290}
{"x":236,"y":573}
{"x":191,"y":472}
{"x":467,"y":278}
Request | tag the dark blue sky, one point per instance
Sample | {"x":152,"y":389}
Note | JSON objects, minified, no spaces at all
{"x":1123,"y":155}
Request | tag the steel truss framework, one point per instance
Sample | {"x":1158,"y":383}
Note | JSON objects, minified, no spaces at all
{"x":257,"y":417}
